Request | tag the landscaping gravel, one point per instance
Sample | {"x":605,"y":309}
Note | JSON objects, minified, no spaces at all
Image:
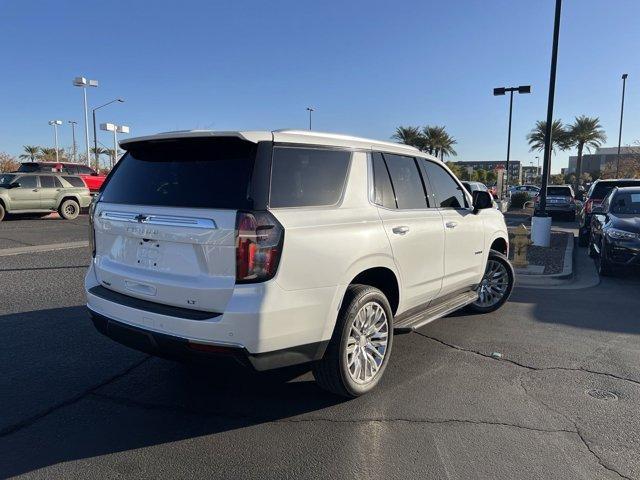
{"x":551,"y":257}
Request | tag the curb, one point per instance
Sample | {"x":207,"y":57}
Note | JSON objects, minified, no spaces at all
{"x":554,"y":278}
{"x":5,"y":252}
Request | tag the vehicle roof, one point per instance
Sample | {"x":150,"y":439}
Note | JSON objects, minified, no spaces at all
{"x":53,"y":162}
{"x":611,"y":180}
{"x":306,"y":137}
{"x":57,"y":174}
{"x":628,"y":189}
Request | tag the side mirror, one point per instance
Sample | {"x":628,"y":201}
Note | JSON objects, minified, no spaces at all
{"x":481,"y":200}
{"x":14,"y":185}
{"x":94,"y":174}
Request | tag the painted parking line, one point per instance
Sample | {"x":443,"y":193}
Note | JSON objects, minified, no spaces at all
{"x":5,"y":252}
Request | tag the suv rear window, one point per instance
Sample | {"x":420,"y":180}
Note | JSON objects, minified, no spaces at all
{"x":602,"y":189}
{"x":75,"y":181}
{"x":559,"y":191}
{"x":305,"y":177}
{"x":191,"y":172}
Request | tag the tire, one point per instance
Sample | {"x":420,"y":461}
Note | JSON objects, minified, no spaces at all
{"x":497,"y":289}
{"x":69,"y":209}
{"x":591,"y":250}
{"x":604,"y":267}
{"x":2,"y":212}
{"x":338,"y":372}
{"x":583,"y":237}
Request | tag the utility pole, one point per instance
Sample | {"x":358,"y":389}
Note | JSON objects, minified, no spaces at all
{"x":310,"y":109}
{"x":624,"y":83}
{"x":74,"y":147}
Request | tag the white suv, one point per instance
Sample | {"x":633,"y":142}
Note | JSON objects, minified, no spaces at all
{"x":286,"y":247}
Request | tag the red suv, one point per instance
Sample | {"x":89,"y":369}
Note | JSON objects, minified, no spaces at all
{"x":92,"y":179}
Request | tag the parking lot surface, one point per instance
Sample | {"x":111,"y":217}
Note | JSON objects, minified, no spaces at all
{"x":561,"y":402}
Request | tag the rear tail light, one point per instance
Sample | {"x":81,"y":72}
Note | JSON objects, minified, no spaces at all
{"x":259,"y":241}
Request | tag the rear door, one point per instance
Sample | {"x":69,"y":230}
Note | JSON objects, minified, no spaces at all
{"x":166,"y":222}
{"x":413,"y":227}
{"x":50,"y":188}
{"x":464,"y":230}
{"x":27,"y":195}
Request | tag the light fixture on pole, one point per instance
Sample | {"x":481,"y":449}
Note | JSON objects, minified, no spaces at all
{"x":74,"y":146}
{"x":503,"y":91}
{"x":624,"y":84}
{"x":110,"y":127}
{"x":95,"y":133}
{"x":55,"y":124}
{"x":541,"y":223}
{"x":310,"y":109}
{"x":84,"y":83}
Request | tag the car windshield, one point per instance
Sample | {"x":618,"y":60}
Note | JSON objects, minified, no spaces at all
{"x":6,"y":179}
{"x":602,"y":189}
{"x":559,"y":191}
{"x":626,"y":203}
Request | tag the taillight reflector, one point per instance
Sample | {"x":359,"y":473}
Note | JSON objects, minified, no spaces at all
{"x":259,"y":238}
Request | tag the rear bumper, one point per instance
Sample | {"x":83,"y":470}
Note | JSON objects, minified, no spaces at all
{"x":561,"y":208}
{"x":182,"y":349}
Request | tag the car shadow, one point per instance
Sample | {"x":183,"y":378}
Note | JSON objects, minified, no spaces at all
{"x":60,"y":365}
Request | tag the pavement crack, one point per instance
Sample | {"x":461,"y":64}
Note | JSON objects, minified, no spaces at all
{"x":69,"y":401}
{"x":598,"y":458}
{"x":523,"y":365}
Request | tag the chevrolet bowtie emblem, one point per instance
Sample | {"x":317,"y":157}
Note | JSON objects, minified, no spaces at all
{"x":140,"y":218}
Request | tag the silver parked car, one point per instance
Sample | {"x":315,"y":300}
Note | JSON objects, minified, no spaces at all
{"x":43,"y":193}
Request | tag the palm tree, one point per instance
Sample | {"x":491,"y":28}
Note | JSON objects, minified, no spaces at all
{"x":31,"y":152}
{"x":408,"y":136}
{"x":559,"y":137}
{"x":436,"y":141}
{"x":47,"y":154}
{"x":585,"y":132}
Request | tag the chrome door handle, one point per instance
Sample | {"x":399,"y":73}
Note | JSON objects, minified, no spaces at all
{"x":400,"y":230}
{"x":451,"y":224}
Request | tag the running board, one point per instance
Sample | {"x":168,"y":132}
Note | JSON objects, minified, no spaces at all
{"x":431,"y":313}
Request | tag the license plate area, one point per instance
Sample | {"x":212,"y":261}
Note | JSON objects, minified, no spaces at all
{"x":150,"y":254}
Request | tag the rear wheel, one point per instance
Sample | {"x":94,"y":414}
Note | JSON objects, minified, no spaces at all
{"x":359,"y":350}
{"x":496,"y":284}
{"x":583,"y":237}
{"x":2,"y":212}
{"x":69,"y":209}
{"x":603,"y":265}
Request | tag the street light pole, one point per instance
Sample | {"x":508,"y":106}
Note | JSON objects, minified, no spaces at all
{"x":95,"y":132}
{"x":310,"y":109}
{"x":110,"y":127}
{"x":84,"y":83}
{"x":55,"y":124}
{"x":74,"y":147}
{"x":541,"y":223}
{"x":624,"y":83}
{"x":502,"y":91}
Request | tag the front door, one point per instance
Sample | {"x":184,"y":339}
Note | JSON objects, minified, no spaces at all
{"x":27,"y":195}
{"x":464,"y":231}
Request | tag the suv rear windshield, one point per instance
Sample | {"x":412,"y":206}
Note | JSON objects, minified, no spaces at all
{"x":602,"y":189}
{"x":559,"y":191}
{"x":192,"y":172}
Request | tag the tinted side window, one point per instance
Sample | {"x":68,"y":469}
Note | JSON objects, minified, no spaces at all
{"x":383,"y":191}
{"x":85,"y":170}
{"x":47,"y":181}
{"x":28,"y":181}
{"x":448,"y":193}
{"x":75,"y":181}
{"x":72,"y":169}
{"x":407,"y":182}
{"x":304,"y":177}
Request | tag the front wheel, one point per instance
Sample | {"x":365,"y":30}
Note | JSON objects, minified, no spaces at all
{"x":603,"y":265}
{"x":359,"y":350}
{"x":69,"y":210}
{"x":2,"y":212}
{"x":495,"y":287}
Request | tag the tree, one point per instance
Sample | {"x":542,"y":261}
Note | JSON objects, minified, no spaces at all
{"x":585,"y":132}
{"x":438,"y":142}
{"x":408,"y":136}
{"x":559,"y":138}
{"x":557,"y":179}
{"x":455,"y":169}
{"x":48,"y":154}
{"x":8,"y":163}
{"x":31,"y":152}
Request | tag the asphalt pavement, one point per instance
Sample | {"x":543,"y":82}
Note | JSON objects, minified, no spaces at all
{"x":561,"y":402}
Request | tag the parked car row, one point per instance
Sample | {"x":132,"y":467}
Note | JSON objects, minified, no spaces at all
{"x":43,"y":193}
{"x":92,"y":179}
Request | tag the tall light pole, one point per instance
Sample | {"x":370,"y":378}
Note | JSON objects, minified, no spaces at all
{"x":74,"y":147}
{"x":84,"y":83}
{"x":110,"y":127}
{"x":624,"y":84}
{"x":95,"y":133}
{"x":310,"y":109}
{"x":55,"y":124}
{"x":502,"y":91}
{"x":541,"y":223}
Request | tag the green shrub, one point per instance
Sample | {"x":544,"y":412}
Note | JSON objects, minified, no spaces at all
{"x":519,"y":199}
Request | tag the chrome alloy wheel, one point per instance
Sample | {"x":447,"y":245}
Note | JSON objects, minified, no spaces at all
{"x":367,"y":342}
{"x":494,"y":284}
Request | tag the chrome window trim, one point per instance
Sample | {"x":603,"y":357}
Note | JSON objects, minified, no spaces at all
{"x":163,"y":220}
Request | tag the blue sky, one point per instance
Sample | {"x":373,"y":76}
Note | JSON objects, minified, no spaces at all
{"x":366,"y":66}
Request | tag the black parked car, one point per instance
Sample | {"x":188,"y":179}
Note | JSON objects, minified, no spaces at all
{"x":596,"y":194}
{"x":615,"y":230}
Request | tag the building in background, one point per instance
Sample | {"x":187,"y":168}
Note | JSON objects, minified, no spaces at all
{"x":597,"y":162}
{"x":515,"y":168}
{"x":531,"y":174}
